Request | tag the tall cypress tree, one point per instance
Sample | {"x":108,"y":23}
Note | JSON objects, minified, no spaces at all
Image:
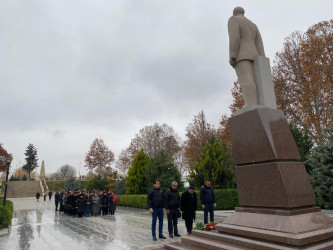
{"x":31,"y":159}
{"x":304,"y":144}
{"x":214,"y":163}
{"x":136,"y":182}
{"x":321,"y":162}
{"x":162,"y":169}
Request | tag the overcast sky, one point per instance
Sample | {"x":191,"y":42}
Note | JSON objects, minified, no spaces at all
{"x":71,"y":71}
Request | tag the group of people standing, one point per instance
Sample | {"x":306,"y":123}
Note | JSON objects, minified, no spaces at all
{"x":86,"y":203}
{"x":44,"y":195}
{"x":177,"y":206}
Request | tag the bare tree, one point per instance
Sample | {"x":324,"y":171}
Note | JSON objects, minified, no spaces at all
{"x":197,"y":132}
{"x":152,"y":139}
{"x":99,"y":158}
{"x":66,"y":171}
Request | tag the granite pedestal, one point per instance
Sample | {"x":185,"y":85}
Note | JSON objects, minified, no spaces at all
{"x":277,"y":202}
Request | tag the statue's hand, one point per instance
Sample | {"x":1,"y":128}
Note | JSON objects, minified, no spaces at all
{"x":232,"y":62}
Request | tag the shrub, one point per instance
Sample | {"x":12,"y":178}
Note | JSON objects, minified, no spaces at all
{"x":226,"y":199}
{"x":6,"y":213}
{"x":72,"y":184}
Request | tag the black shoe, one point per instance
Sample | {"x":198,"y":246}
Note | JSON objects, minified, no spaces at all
{"x":162,"y":237}
{"x":178,"y":235}
{"x":170,"y":235}
{"x":189,"y":232}
{"x":154,"y":239}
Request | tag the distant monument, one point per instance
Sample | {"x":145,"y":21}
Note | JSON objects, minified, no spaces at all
{"x":42,"y":172}
{"x":247,"y":56}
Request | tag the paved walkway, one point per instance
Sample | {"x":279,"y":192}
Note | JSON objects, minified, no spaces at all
{"x":38,"y":226}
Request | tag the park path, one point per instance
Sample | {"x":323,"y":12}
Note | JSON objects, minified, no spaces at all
{"x":37,"y":226}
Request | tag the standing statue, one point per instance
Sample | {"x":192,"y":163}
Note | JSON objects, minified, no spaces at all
{"x":244,"y":44}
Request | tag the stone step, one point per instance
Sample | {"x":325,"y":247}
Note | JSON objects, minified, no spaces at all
{"x":204,"y":243}
{"x":17,"y":189}
{"x":178,"y":246}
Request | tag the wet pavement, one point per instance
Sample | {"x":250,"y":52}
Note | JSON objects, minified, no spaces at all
{"x":37,"y":226}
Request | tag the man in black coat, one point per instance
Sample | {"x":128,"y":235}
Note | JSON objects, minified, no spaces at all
{"x":155,"y":200}
{"x":105,"y":203}
{"x":56,"y":200}
{"x":37,"y":195}
{"x":80,"y":205}
{"x":50,"y":195}
{"x":172,"y":206}
{"x":188,"y":207}
{"x":208,"y":202}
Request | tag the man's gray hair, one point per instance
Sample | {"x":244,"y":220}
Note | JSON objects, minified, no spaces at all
{"x":238,"y":10}
{"x":174,"y":183}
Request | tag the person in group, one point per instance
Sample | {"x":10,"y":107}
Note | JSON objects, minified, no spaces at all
{"x":105,"y":204}
{"x":56,"y":200}
{"x":88,"y":206}
{"x":207,"y":199}
{"x":188,"y":206}
{"x":80,"y":205}
{"x":37,"y":195}
{"x":61,"y":202}
{"x":111,"y":204}
{"x":115,"y":200}
{"x":95,"y":204}
{"x":155,"y":200}
{"x":50,"y":195}
{"x":45,"y":194}
{"x":172,"y":206}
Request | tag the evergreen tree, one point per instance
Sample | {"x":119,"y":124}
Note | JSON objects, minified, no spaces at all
{"x":162,"y":169}
{"x":214,"y":163}
{"x":321,"y":161}
{"x":136,"y":182}
{"x":119,"y":187}
{"x":98,"y":183}
{"x":304,"y":144}
{"x":72,"y":184}
{"x":31,"y":159}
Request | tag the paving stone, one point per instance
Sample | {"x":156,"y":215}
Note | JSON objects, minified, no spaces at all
{"x":37,"y":226}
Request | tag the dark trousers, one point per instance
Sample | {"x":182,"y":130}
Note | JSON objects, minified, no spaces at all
{"x":111,"y":210}
{"x":189,"y":225}
{"x":157,"y":213}
{"x":173,"y":220}
{"x":56,"y":205}
{"x":209,"y":208}
{"x":80,"y":214}
{"x":105,"y":211}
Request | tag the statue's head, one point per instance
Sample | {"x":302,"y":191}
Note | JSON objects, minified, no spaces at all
{"x":238,"y":11}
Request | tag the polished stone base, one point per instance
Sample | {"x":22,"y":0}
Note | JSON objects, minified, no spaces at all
{"x":299,"y":227}
{"x":223,"y":241}
{"x":274,"y":184}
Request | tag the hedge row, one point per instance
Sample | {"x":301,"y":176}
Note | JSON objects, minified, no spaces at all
{"x":6,"y":213}
{"x":59,"y":185}
{"x":226,"y":199}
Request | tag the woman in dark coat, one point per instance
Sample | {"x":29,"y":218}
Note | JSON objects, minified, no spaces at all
{"x":87,"y":211}
{"x":105,"y":204}
{"x":111,"y":204}
{"x":80,"y":205}
{"x":188,"y":205}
